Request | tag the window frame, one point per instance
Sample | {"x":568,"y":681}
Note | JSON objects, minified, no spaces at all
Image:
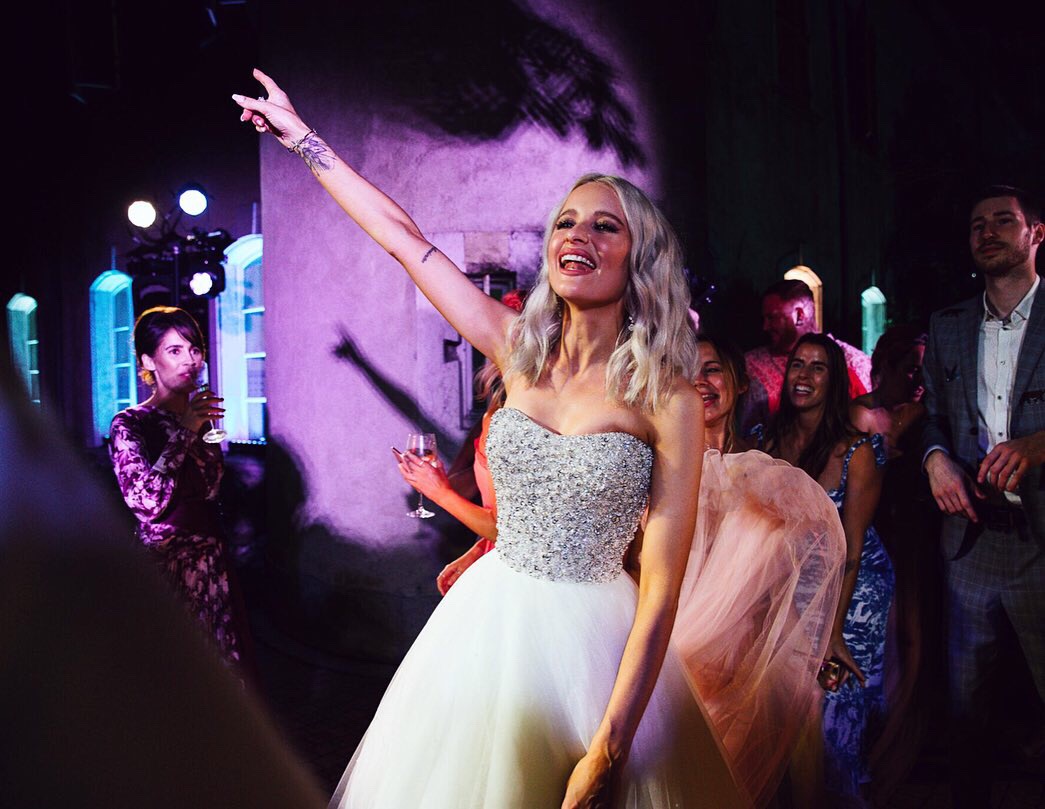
{"x":105,"y":337}
{"x":22,"y":324}
{"x":801,"y":272}
{"x":873,"y":303}
{"x":231,"y":356}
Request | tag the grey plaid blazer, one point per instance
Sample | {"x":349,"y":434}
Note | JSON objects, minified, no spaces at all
{"x":950,"y":399}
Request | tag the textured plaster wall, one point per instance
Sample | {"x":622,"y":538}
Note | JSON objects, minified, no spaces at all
{"x":355,"y":354}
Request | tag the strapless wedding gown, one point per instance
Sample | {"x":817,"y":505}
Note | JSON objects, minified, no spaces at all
{"x":500,"y":694}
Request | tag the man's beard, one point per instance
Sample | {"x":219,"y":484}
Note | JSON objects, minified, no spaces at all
{"x":1002,"y":262}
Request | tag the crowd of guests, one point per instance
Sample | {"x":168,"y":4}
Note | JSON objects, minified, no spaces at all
{"x":939,"y":425}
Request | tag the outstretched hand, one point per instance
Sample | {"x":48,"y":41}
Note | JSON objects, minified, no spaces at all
{"x":274,"y":113}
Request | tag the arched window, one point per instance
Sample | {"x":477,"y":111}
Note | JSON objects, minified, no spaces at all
{"x":113,"y":379}
{"x":240,"y":353}
{"x":25,"y":345}
{"x":872,"y":307}
{"x":811,"y":280}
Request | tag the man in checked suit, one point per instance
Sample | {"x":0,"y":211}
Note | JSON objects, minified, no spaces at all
{"x":984,"y":449}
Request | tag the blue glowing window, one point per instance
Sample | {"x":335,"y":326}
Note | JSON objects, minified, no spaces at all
{"x":113,"y":379}
{"x":872,"y":305}
{"x":240,"y":341}
{"x":25,"y":343}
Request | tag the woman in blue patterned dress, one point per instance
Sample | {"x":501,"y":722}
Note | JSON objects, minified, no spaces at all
{"x":812,"y":431}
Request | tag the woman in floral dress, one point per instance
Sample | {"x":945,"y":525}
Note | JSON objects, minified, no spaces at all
{"x":170,"y":477}
{"x":812,"y":431}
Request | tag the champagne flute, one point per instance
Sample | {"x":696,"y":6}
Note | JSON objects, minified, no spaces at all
{"x":215,"y":435}
{"x":423,"y":446}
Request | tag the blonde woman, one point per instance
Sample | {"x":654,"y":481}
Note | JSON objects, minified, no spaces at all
{"x":566,"y":695}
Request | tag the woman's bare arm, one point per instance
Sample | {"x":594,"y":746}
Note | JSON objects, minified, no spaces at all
{"x":432,"y":482}
{"x":480,"y":319}
{"x":863,"y":488}
{"x":678,"y":441}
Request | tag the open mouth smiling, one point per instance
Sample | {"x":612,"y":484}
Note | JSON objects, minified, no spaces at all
{"x":573,"y":262}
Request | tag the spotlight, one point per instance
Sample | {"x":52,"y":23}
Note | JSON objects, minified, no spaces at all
{"x":192,"y":200}
{"x":141,"y":213}
{"x":205,"y":277}
{"x":201,"y":283}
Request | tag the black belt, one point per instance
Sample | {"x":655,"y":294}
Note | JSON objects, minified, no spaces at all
{"x":1001,"y":518}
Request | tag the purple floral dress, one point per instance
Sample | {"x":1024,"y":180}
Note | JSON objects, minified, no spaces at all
{"x":170,"y":478}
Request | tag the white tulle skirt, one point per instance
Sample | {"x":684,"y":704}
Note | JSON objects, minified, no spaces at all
{"x":501,"y":693}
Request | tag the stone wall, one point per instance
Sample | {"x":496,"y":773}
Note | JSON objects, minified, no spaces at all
{"x":478,"y":136}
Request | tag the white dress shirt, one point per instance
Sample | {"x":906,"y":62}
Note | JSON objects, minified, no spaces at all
{"x":998,"y":350}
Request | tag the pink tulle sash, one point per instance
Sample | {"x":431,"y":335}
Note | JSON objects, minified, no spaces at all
{"x":756,"y":606}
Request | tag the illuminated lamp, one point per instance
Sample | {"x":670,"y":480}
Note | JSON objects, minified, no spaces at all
{"x":141,"y":213}
{"x":192,"y":200}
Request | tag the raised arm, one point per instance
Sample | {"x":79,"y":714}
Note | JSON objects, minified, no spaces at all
{"x":678,"y":441}
{"x":480,"y":319}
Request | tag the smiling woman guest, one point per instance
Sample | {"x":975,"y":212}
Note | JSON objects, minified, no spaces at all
{"x":760,"y":592}
{"x":812,"y":430}
{"x":721,"y":382}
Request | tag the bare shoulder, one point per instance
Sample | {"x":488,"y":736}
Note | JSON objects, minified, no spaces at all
{"x":864,"y":402}
{"x":867,"y":417}
{"x":680,"y":417}
{"x":862,"y":464}
{"x":862,"y":412}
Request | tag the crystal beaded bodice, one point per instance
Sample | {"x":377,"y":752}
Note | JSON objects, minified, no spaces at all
{"x":567,"y":505}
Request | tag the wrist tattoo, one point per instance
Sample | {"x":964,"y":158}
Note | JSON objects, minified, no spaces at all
{"x":431,"y":250}
{"x":316,"y":154}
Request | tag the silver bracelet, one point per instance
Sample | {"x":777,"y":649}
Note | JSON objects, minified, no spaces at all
{"x":296,"y":147}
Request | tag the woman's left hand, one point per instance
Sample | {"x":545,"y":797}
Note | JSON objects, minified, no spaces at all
{"x":592,"y":783}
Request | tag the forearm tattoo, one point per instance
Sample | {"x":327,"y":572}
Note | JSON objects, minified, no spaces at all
{"x":431,"y":250}
{"x":316,"y":153}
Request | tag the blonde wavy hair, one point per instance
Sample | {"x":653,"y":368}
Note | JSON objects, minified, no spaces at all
{"x":660,"y":344}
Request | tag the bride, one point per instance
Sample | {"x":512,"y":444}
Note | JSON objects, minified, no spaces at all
{"x":566,"y":691}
